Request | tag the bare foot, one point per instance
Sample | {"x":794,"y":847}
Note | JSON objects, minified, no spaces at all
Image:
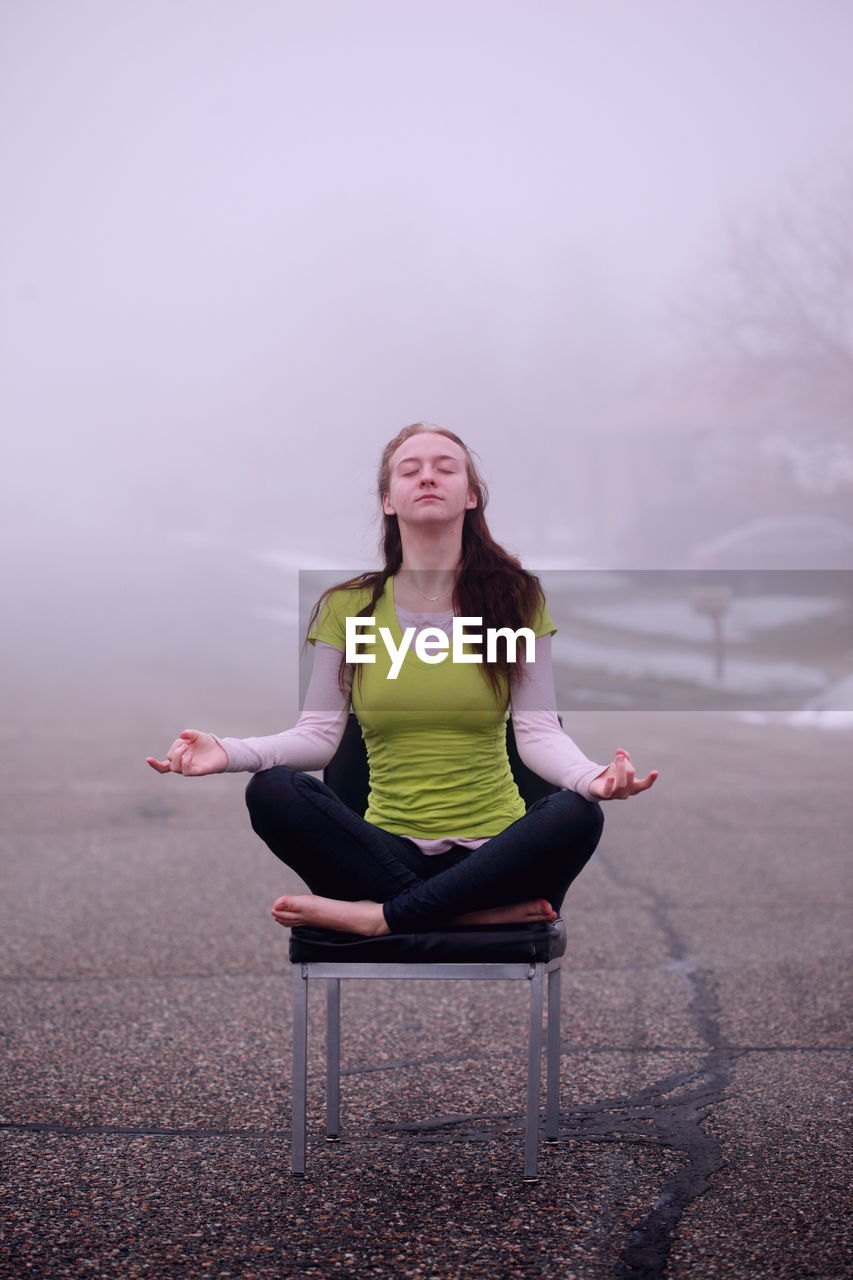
{"x":330,"y":913}
{"x":518,"y":913}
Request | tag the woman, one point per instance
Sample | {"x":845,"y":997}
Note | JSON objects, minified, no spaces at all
{"x":445,"y":837}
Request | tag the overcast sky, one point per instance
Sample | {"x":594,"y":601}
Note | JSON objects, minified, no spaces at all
{"x":246,"y":242}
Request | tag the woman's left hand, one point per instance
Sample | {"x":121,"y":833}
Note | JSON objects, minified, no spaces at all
{"x":618,"y":781}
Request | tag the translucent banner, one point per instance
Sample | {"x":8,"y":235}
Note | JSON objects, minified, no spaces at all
{"x":749,"y":640}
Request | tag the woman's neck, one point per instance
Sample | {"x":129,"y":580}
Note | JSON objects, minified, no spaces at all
{"x":430,"y":565}
{"x":433,"y":552}
{"x":429,"y":582}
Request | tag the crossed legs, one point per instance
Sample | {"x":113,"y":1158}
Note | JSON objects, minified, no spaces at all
{"x":367,"y":880}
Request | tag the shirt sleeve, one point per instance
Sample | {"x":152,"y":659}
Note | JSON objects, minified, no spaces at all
{"x":330,"y":627}
{"x":539,"y":737}
{"x":544,"y":624}
{"x":315,"y":737}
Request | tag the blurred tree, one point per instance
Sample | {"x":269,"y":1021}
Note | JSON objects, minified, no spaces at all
{"x":775,"y":335}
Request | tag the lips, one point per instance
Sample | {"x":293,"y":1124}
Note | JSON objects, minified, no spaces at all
{"x":425,"y":497}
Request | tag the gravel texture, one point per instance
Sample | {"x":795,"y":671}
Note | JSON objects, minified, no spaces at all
{"x":145,"y":1110}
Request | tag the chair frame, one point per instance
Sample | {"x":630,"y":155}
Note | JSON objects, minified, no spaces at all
{"x":532,"y":972}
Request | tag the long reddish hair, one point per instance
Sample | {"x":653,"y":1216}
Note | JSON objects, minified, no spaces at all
{"x":490,"y":584}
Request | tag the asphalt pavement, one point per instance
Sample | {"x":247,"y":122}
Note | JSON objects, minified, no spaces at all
{"x":145,"y":1114}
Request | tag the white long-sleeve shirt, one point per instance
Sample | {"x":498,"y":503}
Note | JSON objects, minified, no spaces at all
{"x":314,"y":739}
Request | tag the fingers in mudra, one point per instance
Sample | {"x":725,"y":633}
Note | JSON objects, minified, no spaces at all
{"x":634,"y":784}
{"x":620,"y":782}
{"x":192,"y":754}
{"x":172,"y":763}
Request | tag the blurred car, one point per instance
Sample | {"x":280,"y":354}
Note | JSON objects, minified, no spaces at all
{"x":780,"y":542}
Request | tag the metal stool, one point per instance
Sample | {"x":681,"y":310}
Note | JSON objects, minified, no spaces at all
{"x":503,"y":952}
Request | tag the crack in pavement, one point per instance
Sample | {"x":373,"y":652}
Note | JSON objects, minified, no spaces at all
{"x":671,"y":1111}
{"x":667,"y":1113}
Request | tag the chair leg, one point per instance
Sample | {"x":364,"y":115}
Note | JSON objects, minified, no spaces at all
{"x":552,"y":1105}
{"x":300,"y":1070}
{"x":534,"y":1073}
{"x":333,"y":1059}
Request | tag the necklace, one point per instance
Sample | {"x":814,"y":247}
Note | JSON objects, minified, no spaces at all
{"x":432,"y":598}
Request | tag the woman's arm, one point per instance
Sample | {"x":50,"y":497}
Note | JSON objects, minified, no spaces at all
{"x":315,"y":737}
{"x":548,"y":751}
{"x":539,"y":737}
{"x":310,"y":744}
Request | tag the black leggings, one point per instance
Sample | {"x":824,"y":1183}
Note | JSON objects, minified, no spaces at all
{"x":339,"y":855}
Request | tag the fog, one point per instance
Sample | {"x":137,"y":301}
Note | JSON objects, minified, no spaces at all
{"x":246,"y":243}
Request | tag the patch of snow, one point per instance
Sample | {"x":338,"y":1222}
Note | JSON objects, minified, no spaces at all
{"x":740,"y":675}
{"x":803,"y":719}
{"x":838,"y":697}
{"x":677,"y":619}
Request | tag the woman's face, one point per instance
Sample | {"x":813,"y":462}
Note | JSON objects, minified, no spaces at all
{"x":428,"y":481}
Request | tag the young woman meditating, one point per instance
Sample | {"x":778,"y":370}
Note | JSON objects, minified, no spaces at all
{"x":445,"y":837}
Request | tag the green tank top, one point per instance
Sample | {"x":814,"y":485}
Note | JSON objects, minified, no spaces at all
{"x":435,"y":736}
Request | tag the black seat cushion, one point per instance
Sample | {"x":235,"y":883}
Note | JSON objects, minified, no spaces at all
{"x":472,"y":944}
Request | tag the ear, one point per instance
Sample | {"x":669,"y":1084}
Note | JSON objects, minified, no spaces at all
{"x":386,"y":505}
{"x":472,"y":499}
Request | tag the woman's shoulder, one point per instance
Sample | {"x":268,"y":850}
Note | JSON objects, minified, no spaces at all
{"x":345,"y":601}
{"x":543,"y":623}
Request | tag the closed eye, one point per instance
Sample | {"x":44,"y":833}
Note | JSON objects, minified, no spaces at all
{"x":410,"y":466}
{"x":413,"y":471}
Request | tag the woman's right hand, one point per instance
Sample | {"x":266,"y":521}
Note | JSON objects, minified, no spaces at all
{"x":192,"y":754}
